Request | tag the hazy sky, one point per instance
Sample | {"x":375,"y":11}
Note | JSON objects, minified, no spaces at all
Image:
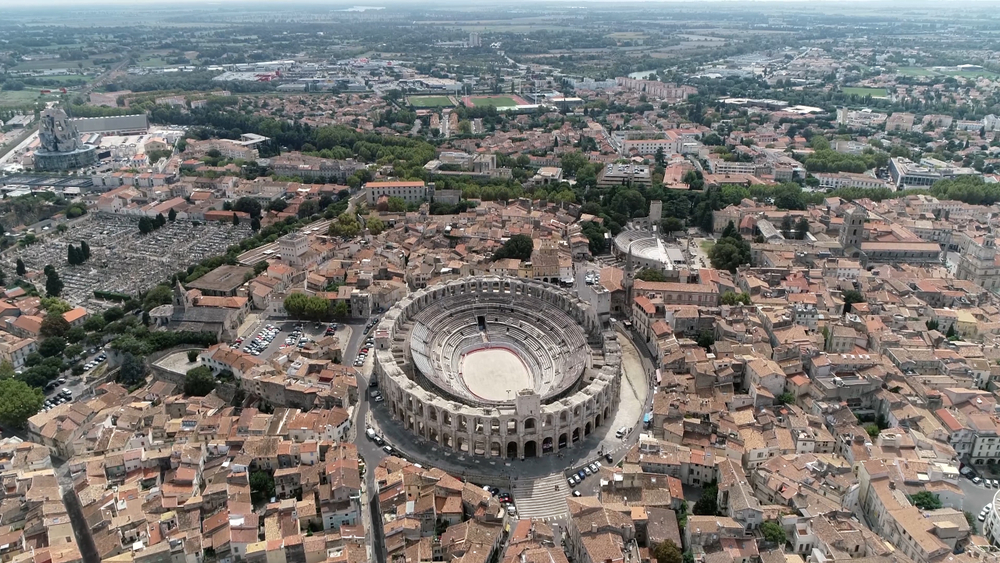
{"x":116,"y":4}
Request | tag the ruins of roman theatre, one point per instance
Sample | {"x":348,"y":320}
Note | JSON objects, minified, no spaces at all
{"x":497,"y":367}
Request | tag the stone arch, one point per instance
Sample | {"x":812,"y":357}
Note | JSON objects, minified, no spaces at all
{"x":562,"y":440}
{"x":530,"y":449}
{"x":463,"y":444}
{"x":512,"y":426}
{"x":529,"y":425}
{"x":495,"y":449}
{"x":479,"y":447}
{"x":606,"y":411}
{"x":547,"y":445}
{"x":586,"y":429}
{"x":512,"y":449}
{"x":597,"y":421}
{"x":562,"y":417}
{"x":446,"y":441}
{"x":576,"y":435}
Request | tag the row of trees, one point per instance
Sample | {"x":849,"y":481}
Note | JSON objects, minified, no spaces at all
{"x":302,"y":306}
{"x":78,"y":255}
{"x":147,"y":225}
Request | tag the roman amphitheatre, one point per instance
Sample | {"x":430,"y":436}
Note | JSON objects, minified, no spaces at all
{"x":497,"y":367}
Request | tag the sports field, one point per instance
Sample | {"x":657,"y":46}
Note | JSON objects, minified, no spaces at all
{"x":430,"y":101}
{"x":495,"y":101}
{"x":873,"y":92}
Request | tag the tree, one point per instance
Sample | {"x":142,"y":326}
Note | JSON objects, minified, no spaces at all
{"x":872,"y":430}
{"x":159,"y":220}
{"x":255,"y":224}
{"x":706,"y":339}
{"x":113,"y":314}
{"x":785,"y":399}
{"x":21,"y":270}
{"x":667,"y":551}
{"x":375,"y":225}
{"x":396,"y":205}
{"x":708,"y":503}
{"x":278,"y":205}
{"x":199,"y":381}
{"x":951,"y":332}
{"x":729,"y":254}
{"x":925,"y":500}
{"x":18,"y":402}
{"x":517,"y":246}
{"x":659,"y":158}
{"x":132,"y":371}
{"x":671,"y":225}
{"x":52,"y":346}
{"x":341,"y":309}
{"x":932,"y":324}
{"x":73,"y":255}
{"x":53,"y":285}
{"x":261,"y":486}
{"x":172,"y":215}
{"x":159,"y":295}
{"x":801,"y":228}
{"x":733,"y":298}
{"x":773,"y":532}
{"x":346,"y":225}
{"x":73,"y":351}
{"x":236,"y":220}
{"x":145,"y":225}
{"x":54,"y":305}
{"x":85,"y":250}
{"x":852,"y":296}
{"x":54,"y":325}
{"x":192,"y":356}
{"x":650,"y":275}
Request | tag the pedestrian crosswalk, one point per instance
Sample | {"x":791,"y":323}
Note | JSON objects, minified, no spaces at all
{"x":543,"y":498}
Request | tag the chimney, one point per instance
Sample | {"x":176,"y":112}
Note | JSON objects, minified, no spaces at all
{"x":593,"y":527}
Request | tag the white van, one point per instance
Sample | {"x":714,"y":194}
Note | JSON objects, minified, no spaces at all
{"x":622,"y":432}
{"x":370,"y":433}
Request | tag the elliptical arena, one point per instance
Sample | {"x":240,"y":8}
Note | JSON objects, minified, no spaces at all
{"x":498,"y":367}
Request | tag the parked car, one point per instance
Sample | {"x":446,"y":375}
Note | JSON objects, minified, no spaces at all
{"x":581,"y":475}
{"x":609,"y":459}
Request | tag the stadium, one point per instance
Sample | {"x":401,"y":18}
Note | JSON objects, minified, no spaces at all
{"x":497,"y":367}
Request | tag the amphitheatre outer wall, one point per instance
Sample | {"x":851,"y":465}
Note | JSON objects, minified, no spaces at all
{"x":532,"y":333}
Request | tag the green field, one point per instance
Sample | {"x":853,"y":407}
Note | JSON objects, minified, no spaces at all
{"x":921,"y":71}
{"x":873,"y":92}
{"x":495,"y":101}
{"x":19,"y":97}
{"x":430,"y":101}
